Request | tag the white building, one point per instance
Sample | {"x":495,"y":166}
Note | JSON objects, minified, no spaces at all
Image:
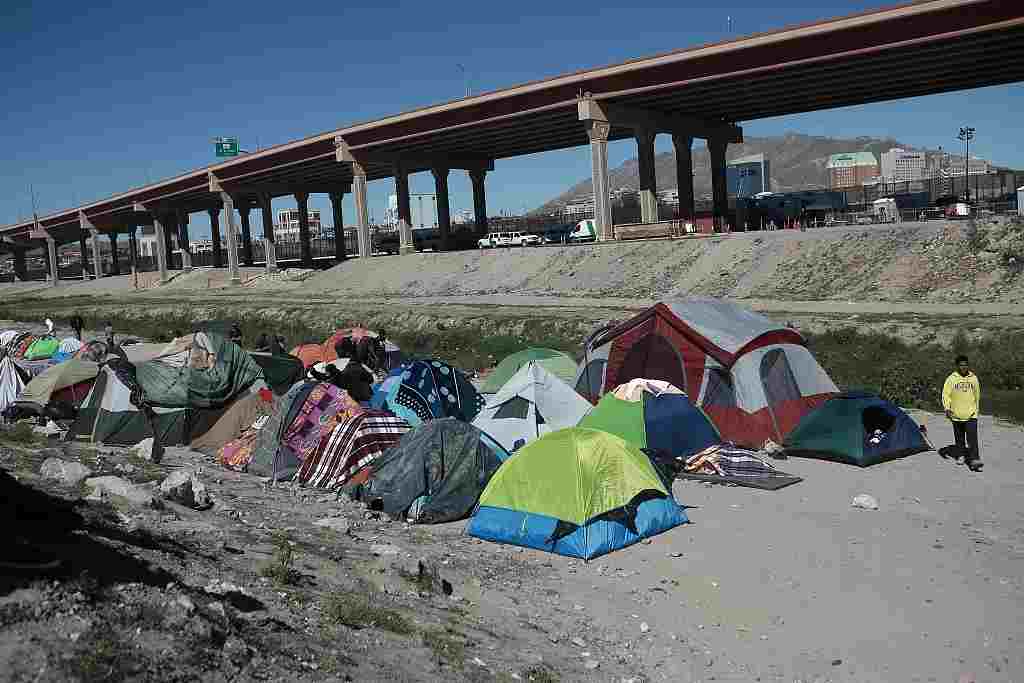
{"x":287,"y":227}
{"x":147,"y":241}
{"x":900,"y":166}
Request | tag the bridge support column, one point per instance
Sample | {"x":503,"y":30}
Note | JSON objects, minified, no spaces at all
{"x":598,"y":133}
{"x":648,"y":175}
{"x":719,"y":188}
{"x":97,"y":262}
{"x":183,"y":242}
{"x":339,"y":225}
{"x":684,"y":174}
{"x":20,"y":266}
{"x":444,"y":218}
{"x":133,"y":251}
{"x":407,"y":244}
{"x":51,"y":259}
{"x":160,"y":243}
{"x":230,"y":233}
{"x":269,"y":250}
{"x":83,"y":255}
{"x":362,"y":211}
{"x":244,"y":208}
{"x":305,"y":248}
{"x":477,"y":176}
{"x":218,"y":260}
{"x":170,"y":229}
{"x":115,"y":266}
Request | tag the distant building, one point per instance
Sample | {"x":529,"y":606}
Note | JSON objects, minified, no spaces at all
{"x":670,"y":196}
{"x":747,"y":176}
{"x":851,"y":169}
{"x":287,"y":227}
{"x":147,"y":241}
{"x":903,"y":166}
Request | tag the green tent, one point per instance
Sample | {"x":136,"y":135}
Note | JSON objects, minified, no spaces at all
{"x":666,"y":423}
{"x":108,"y":416}
{"x":42,"y":348}
{"x":578,"y":492}
{"x":69,"y":381}
{"x":557,"y":363}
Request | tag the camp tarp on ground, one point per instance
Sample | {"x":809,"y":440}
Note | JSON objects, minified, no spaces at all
{"x":426,"y":390}
{"x":441,"y":467}
{"x":61,"y":388}
{"x":666,"y":423}
{"x":754,"y":378}
{"x":532,"y":403}
{"x":843,"y":429}
{"x":559,"y":364}
{"x":576,"y":492}
{"x":350,"y":451}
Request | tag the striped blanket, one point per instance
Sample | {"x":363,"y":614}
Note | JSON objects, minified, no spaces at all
{"x":326,"y":407}
{"x":730,"y":461}
{"x":354,"y":444}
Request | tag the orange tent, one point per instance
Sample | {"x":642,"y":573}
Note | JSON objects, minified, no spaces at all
{"x":309,"y":354}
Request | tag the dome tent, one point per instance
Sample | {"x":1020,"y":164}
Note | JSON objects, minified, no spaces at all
{"x":576,"y":492}
{"x":559,"y":364}
{"x":857,"y":428}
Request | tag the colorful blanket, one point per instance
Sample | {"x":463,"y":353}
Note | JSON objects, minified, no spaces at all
{"x":324,"y":408}
{"x":352,"y":446}
{"x":729,"y":461}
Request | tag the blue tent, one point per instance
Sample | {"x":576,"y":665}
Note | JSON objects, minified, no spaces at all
{"x":424,"y":390}
{"x":667,"y":423}
{"x":856,"y":428}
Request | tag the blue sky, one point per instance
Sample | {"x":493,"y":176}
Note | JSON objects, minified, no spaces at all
{"x":100,"y":99}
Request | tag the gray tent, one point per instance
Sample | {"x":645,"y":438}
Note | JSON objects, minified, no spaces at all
{"x":438,"y":469}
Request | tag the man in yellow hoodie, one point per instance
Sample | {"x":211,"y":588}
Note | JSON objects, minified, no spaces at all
{"x":961,"y":395}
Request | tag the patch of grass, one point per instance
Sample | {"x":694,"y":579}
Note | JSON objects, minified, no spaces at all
{"x":281,"y":569}
{"x":446,"y":644}
{"x":101,"y":656}
{"x":356,"y":611}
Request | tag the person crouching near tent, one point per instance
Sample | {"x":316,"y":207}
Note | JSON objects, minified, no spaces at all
{"x":961,"y":396}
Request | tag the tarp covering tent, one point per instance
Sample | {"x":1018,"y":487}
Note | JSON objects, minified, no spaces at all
{"x":309,"y":354}
{"x":532,"y":403}
{"x":232,"y":423}
{"x":41,"y":348}
{"x":353,"y":446}
{"x":109,"y":416}
{"x":59,"y":390}
{"x":576,"y":492}
{"x":754,"y":378}
{"x":265,"y":459}
{"x":207,"y":372}
{"x":280,"y":371}
{"x":12,"y":381}
{"x":856,"y":428}
{"x":559,"y":364}
{"x":667,"y":423}
{"x":7,"y":336}
{"x":439,"y":470}
{"x":426,"y":390}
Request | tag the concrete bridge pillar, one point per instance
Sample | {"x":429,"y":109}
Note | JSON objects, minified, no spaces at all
{"x":302,"y":199}
{"x":477,"y":176}
{"x":719,"y":187}
{"x":268,"y":232}
{"x":648,"y":175}
{"x":244,"y":208}
{"x":183,"y":242}
{"x":20,"y":266}
{"x":160,"y":244}
{"x":684,"y":174}
{"x":97,"y":262}
{"x":51,"y":260}
{"x":170,"y":223}
{"x":362,"y":211}
{"x":338,"y":215}
{"x":115,"y":265}
{"x":218,"y":261}
{"x":598,"y":133}
{"x":231,"y":232}
{"x":83,"y":255}
{"x":407,"y":244}
{"x":444,"y":218}
{"x":133,"y":250}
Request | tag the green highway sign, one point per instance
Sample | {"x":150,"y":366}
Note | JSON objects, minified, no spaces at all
{"x":226,"y":147}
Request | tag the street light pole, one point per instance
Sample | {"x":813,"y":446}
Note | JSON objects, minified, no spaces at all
{"x":966,"y":135}
{"x":465,"y":77}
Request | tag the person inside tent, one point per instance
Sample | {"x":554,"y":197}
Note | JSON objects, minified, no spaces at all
{"x":236,"y":333}
{"x":76,"y":323}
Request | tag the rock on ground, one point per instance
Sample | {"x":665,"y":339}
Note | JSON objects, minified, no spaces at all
{"x":66,"y":472}
{"x":149,"y":450}
{"x":185,"y":487}
{"x":120,"y":488}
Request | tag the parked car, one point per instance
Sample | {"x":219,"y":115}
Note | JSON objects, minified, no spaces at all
{"x":584,"y":232}
{"x":494,"y":239}
{"x":525,"y":239}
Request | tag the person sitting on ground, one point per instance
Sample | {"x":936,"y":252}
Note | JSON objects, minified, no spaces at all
{"x":345,"y":348}
{"x":276,"y":346}
{"x":961,"y":397}
{"x":236,"y":334}
{"x":354,"y":378}
{"x":262,"y":342}
{"x":108,"y":331}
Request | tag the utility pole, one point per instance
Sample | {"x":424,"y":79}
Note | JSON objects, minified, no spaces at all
{"x":465,"y":77}
{"x":966,"y":135}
